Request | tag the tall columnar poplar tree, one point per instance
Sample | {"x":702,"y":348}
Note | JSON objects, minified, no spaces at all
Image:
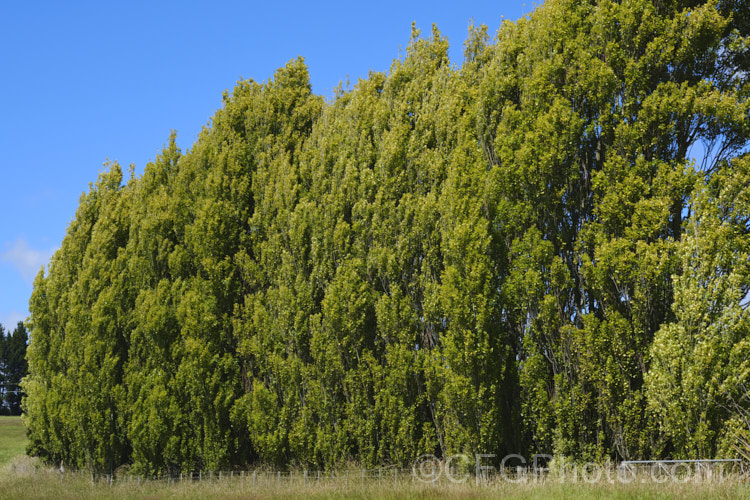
{"x":699,"y":362}
{"x":542,"y":251}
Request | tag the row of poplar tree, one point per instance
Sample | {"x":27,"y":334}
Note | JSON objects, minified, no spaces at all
{"x":13,"y":368}
{"x":542,"y":251}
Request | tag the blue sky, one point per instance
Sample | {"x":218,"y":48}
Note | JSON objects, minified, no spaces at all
{"x":83,"y":82}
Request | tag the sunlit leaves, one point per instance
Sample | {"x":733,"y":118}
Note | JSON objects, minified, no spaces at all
{"x":507,"y":257}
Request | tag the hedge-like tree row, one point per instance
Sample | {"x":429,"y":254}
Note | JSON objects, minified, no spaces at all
{"x":515,"y":256}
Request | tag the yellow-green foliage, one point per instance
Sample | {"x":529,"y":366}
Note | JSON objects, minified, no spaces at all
{"x":499,"y":258}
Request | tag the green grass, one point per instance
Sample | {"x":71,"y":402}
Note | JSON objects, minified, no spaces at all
{"x":12,"y":439}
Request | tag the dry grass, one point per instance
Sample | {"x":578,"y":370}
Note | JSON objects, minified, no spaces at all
{"x":26,"y":478}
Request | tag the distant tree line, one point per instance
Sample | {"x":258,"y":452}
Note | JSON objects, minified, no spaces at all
{"x":515,"y":256}
{"x":13,"y":367}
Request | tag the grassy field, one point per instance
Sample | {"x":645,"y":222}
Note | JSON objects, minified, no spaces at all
{"x":12,"y":438}
{"x":23,"y":477}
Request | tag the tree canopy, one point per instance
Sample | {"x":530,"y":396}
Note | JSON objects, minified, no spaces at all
{"x":13,"y":367}
{"x":542,"y":251}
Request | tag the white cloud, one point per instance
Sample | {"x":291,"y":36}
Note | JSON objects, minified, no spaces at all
{"x":26,"y":260}
{"x":10,"y":320}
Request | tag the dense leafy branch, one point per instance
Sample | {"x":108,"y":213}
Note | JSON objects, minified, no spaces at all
{"x":517,"y":255}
